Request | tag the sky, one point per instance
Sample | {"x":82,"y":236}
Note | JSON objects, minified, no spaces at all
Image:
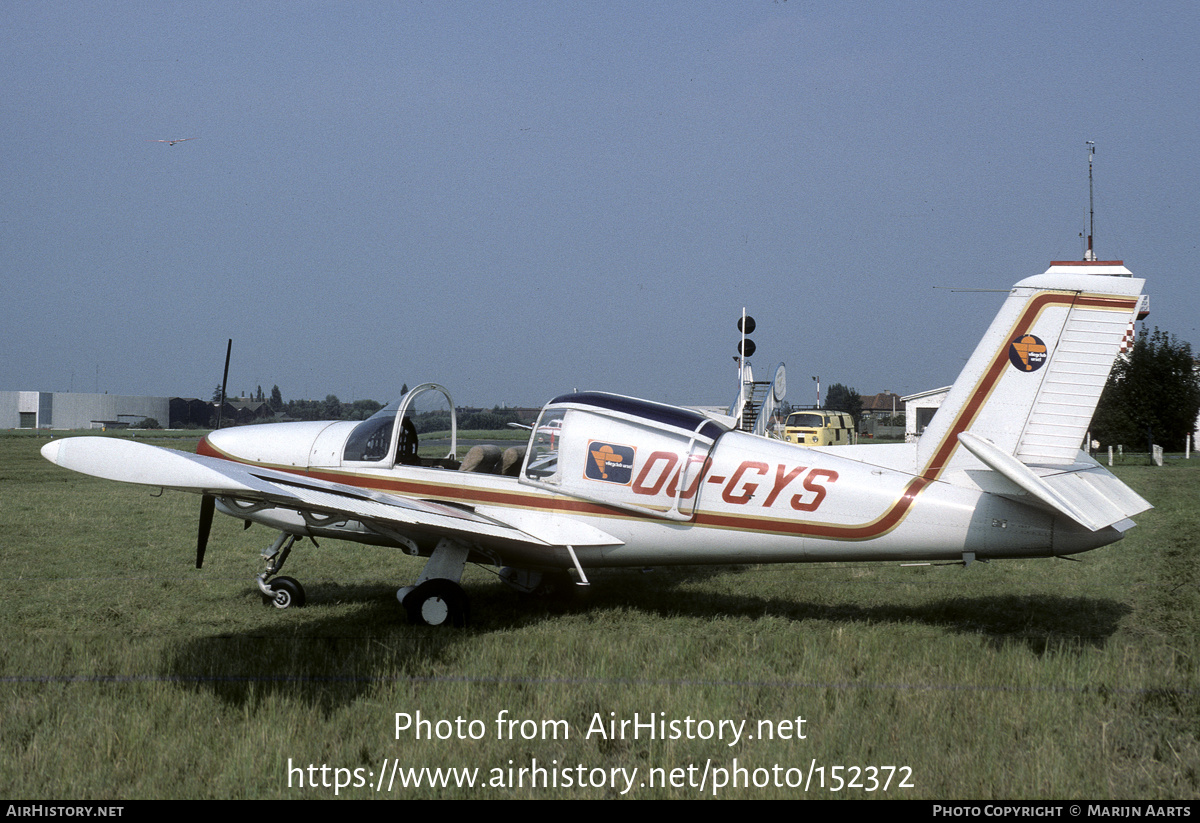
{"x":520,"y":199}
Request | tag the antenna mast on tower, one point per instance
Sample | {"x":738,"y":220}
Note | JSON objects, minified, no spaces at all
{"x":1090,"y":254}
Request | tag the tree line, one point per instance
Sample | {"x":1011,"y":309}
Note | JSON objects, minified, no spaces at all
{"x":331,"y":408}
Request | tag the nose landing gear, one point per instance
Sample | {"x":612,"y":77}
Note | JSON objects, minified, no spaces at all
{"x":280,"y":592}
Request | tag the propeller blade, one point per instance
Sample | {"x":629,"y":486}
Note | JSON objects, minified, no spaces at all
{"x":207,"y":506}
{"x":224,"y":382}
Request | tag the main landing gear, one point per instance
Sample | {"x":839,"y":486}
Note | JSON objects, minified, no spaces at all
{"x":280,"y":592}
{"x":436,"y":602}
{"x":437,"y":599}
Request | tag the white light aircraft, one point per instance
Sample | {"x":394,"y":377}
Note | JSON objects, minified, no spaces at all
{"x":608,"y":480}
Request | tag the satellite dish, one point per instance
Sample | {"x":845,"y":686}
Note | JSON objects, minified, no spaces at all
{"x":779,"y":384}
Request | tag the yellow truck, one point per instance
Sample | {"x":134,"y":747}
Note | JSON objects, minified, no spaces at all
{"x":819,"y":428}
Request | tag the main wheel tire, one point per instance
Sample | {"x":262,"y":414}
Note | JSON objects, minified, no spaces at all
{"x":289,"y":594}
{"x":437,"y":602}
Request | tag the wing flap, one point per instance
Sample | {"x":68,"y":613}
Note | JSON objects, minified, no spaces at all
{"x":554,"y":530}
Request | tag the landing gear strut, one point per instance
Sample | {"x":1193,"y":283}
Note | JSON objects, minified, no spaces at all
{"x":282,"y":592}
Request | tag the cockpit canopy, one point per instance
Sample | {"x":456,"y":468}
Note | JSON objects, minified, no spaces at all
{"x":622,"y":452}
{"x":389,"y":437}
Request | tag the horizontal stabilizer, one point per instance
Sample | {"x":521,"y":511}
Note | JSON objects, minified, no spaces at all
{"x":1084,"y":492}
{"x":1093,"y":489}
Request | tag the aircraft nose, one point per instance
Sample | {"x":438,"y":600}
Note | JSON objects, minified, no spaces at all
{"x":281,"y":445}
{"x":234,"y":444}
{"x":216,"y":444}
{"x":204,"y":447}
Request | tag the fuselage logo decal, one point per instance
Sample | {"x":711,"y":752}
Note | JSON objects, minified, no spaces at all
{"x":609,"y":462}
{"x":1027,"y":353}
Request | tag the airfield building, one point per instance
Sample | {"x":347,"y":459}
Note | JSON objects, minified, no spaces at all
{"x":71,"y":410}
{"x":919,"y":410}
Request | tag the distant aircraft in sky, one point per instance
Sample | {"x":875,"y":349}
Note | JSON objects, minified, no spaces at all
{"x":173,"y":142}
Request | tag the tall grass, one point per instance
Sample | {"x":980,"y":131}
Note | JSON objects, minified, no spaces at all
{"x":126,"y":673}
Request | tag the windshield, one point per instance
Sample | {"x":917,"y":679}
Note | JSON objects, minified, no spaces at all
{"x":370,"y":439}
{"x":814,"y":421}
{"x":543,"y":446}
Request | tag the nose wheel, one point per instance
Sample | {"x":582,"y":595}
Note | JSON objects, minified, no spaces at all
{"x":287,"y":593}
{"x":280,"y":592}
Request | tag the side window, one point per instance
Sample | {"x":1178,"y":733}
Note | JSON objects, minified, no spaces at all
{"x":542,"y":461}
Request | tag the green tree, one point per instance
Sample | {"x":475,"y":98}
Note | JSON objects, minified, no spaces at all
{"x":1152,"y":396}
{"x":362,"y":409}
{"x":843,"y":398}
{"x":276,"y":399}
{"x":497,"y":418}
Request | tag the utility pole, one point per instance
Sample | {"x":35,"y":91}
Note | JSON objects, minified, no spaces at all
{"x":1090,"y":254}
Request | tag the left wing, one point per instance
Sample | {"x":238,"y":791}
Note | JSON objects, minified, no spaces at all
{"x":130,"y":462}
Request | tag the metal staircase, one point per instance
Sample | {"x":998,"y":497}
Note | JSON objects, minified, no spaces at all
{"x":756,"y":394}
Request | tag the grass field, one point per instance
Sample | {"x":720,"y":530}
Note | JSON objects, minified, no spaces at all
{"x":126,"y":673}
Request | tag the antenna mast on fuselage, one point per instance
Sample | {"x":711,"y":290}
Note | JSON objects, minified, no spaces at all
{"x":1090,"y":254}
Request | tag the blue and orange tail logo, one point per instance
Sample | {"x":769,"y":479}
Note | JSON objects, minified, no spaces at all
{"x":609,"y":462}
{"x":1027,"y":353}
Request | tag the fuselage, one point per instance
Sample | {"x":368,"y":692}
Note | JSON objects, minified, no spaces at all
{"x":746,"y":499}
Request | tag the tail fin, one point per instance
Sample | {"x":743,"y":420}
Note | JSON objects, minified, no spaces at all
{"x":1033,"y":382}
